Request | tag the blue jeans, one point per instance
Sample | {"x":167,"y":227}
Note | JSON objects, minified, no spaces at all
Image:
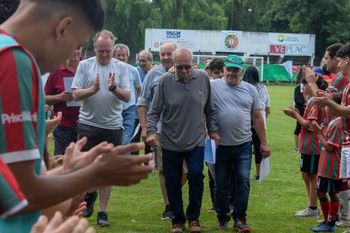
{"x":129,"y":116}
{"x":240,"y":157}
{"x":63,"y":137}
{"x":172,"y":170}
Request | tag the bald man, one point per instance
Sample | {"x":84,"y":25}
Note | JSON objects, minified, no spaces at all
{"x":182,"y":103}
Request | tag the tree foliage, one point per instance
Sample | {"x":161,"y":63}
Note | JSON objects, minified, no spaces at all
{"x":328,"y":19}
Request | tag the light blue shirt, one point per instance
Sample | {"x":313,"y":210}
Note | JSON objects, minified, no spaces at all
{"x":149,"y":85}
{"x":135,"y":82}
{"x":142,"y":74}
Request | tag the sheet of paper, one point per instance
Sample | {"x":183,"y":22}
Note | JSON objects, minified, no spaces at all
{"x":210,"y":151}
{"x":264,"y":168}
{"x":68,"y":88}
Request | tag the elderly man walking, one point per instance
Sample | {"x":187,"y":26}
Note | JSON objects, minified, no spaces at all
{"x":101,"y":83}
{"x":237,"y":104}
{"x":183,"y":99}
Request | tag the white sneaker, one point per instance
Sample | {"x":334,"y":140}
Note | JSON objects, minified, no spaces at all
{"x":308,"y":212}
{"x":343,"y":223}
{"x":347,"y":231}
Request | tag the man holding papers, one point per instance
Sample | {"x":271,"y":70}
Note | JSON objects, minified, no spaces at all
{"x":237,"y":104}
{"x":59,"y":94}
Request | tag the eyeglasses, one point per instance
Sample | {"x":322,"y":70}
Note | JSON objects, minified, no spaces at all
{"x":181,"y":67}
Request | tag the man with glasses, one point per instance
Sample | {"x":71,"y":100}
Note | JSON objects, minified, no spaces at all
{"x":182,"y":102}
{"x":101,"y":83}
{"x":237,"y":104}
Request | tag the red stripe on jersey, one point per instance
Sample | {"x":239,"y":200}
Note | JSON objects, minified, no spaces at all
{"x":309,"y":144}
{"x":11,"y":103}
{"x":35,"y":96}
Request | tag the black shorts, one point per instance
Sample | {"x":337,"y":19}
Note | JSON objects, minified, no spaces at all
{"x":297,"y":129}
{"x":309,"y":163}
{"x":97,"y":135}
{"x":327,"y":185}
{"x":256,"y":145}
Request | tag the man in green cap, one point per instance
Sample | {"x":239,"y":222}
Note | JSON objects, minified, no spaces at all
{"x":237,"y":104}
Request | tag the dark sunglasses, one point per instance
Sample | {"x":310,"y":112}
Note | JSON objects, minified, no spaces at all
{"x":181,"y":67}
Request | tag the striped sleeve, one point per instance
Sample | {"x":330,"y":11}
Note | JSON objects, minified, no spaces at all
{"x":17,"y":108}
{"x":334,"y":134}
{"x":12,"y":200}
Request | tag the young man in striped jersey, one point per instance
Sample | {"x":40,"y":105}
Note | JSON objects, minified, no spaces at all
{"x":35,"y":36}
{"x":309,"y":146}
{"x":329,"y":180}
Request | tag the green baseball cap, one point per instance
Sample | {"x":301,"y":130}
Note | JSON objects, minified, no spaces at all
{"x":234,"y":61}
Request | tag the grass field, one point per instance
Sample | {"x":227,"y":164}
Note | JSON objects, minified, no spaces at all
{"x":272,"y":203}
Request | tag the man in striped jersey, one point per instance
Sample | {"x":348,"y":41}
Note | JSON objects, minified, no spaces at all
{"x":36,"y":36}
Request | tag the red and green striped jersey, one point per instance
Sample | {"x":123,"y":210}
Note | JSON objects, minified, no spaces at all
{"x":338,"y":83}
{"x":22,"y":123}
{"x":12,"y":200}
{"x":329,"y":163}
{"x":346,"y":102}
{"x":308,"y":142}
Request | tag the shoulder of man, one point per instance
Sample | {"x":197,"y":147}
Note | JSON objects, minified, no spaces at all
{"x":132,"y":68}
{"x":88,"y":61}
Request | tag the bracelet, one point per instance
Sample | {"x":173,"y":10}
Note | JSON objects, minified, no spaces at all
{"x":112,"y":88}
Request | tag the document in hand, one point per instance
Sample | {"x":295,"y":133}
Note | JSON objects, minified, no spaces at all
{"x":264,"y":168}
{"x":210,"y":151}
{"x":68,"y":88}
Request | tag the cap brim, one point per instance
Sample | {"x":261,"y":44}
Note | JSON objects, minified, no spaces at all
{"x":229,"y":64}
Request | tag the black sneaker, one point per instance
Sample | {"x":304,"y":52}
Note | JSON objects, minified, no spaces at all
{"x":102,"y":219}
{"x":241,"y":225}
{"x":90,"y":199}
{"x":167,"y":214}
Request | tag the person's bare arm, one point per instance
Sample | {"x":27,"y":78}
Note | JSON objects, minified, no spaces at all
{"x":143,"y":121}
{"x":113,"y":167}
{"x":123,"y":95}
{"x":62,"y":97}
{"x":310,"y":77}
{"x":84,"y":93}
{"x":324,"y":99}
{"x":138,"y":91}
{"x":290,"y":111}
{"x":120,"y":93}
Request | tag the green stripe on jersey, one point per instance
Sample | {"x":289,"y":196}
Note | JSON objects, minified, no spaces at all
{"x":2,"y":132}
{"x":24,"y":75}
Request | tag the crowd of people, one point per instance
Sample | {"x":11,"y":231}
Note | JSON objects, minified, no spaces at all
{"x":322,"y":137}
{"x":97,"y":103}
{"x":104,"y":107}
